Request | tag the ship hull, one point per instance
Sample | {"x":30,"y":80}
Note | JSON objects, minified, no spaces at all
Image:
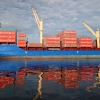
{"x":13,"y":51}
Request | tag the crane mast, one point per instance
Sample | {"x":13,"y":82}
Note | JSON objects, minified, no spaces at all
{"x":39,"y":23}
{"x":96,"y":34}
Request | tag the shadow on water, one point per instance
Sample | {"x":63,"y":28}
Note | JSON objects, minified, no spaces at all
{"x":50,"y":80}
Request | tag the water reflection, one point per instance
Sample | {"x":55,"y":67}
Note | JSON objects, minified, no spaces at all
{"x":96,"y":83}
{"x":78,"y":79}
{"x":39,"y":87}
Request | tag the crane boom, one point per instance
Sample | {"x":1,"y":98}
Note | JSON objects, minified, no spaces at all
{"x":39,"y":23}
{"x":96,"y":34}
{"x":89,"y":28}
{"x":36,"y":17}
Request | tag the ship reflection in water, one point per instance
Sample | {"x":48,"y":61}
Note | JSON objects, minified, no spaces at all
{"x":50,"y":80}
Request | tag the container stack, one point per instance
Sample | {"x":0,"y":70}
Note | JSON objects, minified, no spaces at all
{"x":51,"y":41}
{"x":68,"y":38}
{"x":85,"y":42}
{"x":21,"y":40}
{"x":7,"y":36}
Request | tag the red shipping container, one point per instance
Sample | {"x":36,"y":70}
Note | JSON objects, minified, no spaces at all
{"x":21,"y":35}
{"x":8,"y":32}
{"x":86,"y":42}
{"x":73,"y":35}
{"x":85,"y":45}
{"x":65,"y":35}
{"x":51,"y":42}
{"x":34,"y":45}
{"x":66,"y":45}
{"x":21,"y":41}
{"x":12,"y":36}
{"x":73,"y":45}
{"x":51,"y":45}
{"x":52,"y":38}
{"x":11,"y":40}
{"x":21,"y":45}
{"x":69,"y":31}
{"x":68,"y":38}
{"x":7,"y":35}
{"x":89,"y":39}
{"x":3,"y":40}
{"x":71,"y":42}
{"x":7,"y":40}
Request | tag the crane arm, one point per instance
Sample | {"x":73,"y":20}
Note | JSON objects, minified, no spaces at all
{"x":36,"y":17}
{"x":89,"y":28}
{"x":39,"y":23}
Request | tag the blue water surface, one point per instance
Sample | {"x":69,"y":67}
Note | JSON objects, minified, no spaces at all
{"x":50,"y":79}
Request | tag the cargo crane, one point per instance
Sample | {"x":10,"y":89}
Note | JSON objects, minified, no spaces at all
{"x":39,"y":23}
{"x":96,"y":34}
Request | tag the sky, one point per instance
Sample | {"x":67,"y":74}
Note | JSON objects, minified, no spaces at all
{"x":57,"y":15}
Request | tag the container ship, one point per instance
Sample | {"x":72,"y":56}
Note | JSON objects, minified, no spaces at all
{"x":65,"y":44}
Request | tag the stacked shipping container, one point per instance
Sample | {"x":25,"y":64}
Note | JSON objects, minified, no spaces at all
{"x":21,"y":40}
{"x":7,"y":36}
{"x":51,"y":41}
{"x":85,"y":42}
{"x":34,"y":45}
{"x":68,"y":38}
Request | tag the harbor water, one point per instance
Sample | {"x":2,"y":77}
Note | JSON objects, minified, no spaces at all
{"x":50,"y":79}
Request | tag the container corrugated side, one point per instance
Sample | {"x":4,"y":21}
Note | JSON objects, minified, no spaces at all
{"x":34,"y":45}
{"x":21,"y":35}
{"x":51,"y":45}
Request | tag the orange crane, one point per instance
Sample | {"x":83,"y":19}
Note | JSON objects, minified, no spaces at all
{"x":96,"y":34}
{"x":39,"y":23}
